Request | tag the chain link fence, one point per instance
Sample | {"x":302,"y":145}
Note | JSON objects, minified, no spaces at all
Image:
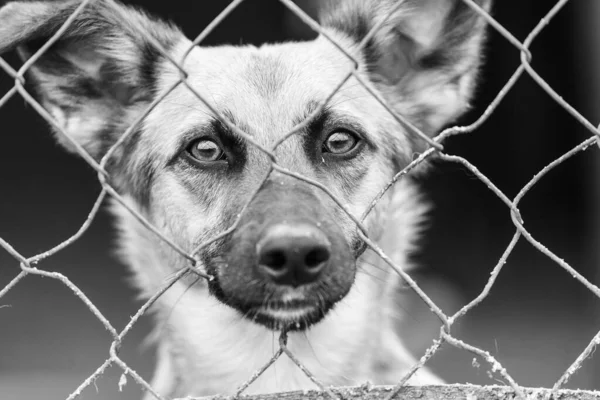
{"x":435,"y":147}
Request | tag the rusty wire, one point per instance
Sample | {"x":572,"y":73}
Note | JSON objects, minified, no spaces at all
{"x":435,"y":147}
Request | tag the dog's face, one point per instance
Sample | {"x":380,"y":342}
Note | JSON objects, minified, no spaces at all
{"x":293,"y":254}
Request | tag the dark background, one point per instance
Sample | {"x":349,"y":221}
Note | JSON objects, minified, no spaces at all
{"x":536,"y":320}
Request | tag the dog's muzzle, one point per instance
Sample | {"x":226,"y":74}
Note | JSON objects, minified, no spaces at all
{"x":288,"y":262}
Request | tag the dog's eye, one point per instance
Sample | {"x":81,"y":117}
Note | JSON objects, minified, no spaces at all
{"x":340,"y":142}
{"x":206,"y":150}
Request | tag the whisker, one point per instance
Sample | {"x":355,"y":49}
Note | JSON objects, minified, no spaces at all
{"x":377,"y":267}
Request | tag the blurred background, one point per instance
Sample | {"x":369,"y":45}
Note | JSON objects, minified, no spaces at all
{"x":537,"y":319}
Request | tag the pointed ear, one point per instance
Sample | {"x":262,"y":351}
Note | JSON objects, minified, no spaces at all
{"x":100,"y":70}
{"x":425,"y":56}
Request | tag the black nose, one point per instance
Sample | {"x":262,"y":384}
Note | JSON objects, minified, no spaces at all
{"x":293,"y":254}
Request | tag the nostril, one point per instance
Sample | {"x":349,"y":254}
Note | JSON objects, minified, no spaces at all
{"x":292,"y":255}
{"x":274,"y":259}
{"x":316,"y":257}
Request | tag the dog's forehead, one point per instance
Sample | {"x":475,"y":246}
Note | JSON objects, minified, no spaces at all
{"x":292,"y":72}
{"x":268,"y":89}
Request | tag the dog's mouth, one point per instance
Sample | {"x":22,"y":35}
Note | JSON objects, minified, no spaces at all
{"x":284,"y":310}
{"x":290,"y":316}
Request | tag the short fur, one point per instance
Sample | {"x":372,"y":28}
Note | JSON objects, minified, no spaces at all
{"x":212,"y":336}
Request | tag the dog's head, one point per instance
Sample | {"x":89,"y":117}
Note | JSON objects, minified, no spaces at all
{"x":190,"y":172}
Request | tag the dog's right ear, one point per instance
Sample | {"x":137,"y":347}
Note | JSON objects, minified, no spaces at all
{"x":101,"y":70}
{"x":423,"y":57}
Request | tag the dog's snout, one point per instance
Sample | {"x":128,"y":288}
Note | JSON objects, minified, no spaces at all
{"x":293,"y":254}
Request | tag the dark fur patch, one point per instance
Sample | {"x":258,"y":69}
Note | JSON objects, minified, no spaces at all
{"x":137,"y":180}
{"x":150,"y":58}
{"x":436,"y":59}
{"x":354,"y":20}
{"x":235,"y":146}
{"x":314,"y":130}
{"x":81,"y":87}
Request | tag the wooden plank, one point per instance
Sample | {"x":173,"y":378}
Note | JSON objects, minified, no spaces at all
{"x":442,"y":392}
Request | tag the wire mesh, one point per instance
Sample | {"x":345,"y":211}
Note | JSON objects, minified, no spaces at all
{"x":435,"y":147}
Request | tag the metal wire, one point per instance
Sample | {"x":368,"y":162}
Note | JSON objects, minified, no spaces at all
{"x":435,"y":148}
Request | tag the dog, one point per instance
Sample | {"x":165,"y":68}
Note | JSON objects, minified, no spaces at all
{"x":296,"y":261}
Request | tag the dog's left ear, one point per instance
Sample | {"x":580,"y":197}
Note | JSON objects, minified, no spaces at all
{"x":96,"y":79}
{"x":425,"y":56}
